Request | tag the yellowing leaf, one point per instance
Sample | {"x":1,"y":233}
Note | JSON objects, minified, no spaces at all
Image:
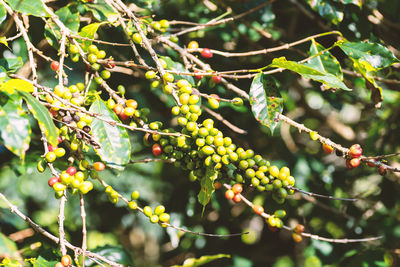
{"x":17,"y":84}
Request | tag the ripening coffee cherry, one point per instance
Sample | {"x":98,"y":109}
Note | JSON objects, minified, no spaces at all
{"x":99,"y":166}
{"x":137,"y":39}
{"x":193,"y":45}
{"x":150,"y":75}
{"x":229,"y":194}
{"x":371,"y":162}
{"x":258,"y":209}
{"x":348,"y":164}
{"x":60,"y":152}
{"x":66,"y":260}
{"x":297,"y":238}
{"x":54,"y":65}
{"x":214,"y":101}
{"x":168,"y":77}
{"x":299,"y":229}
{"x":156,"y":149}
{"x":355,"y":151}
{"x":198,"y":77}
{"x":216,"y":79}
{"x":355,"y":162}
{"x":314,"y":135}
{"x":327,"y":148}
{"x":206,"y":53}
{"x":237,"y":198}
{"x":51,"y":156}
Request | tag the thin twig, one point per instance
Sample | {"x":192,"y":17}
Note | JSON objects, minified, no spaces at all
{"x":84,"y":232}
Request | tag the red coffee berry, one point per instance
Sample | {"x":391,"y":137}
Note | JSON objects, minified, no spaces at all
{"x":71,"y":171}
{"x":216,"y":79}
{"x":371,"y":163}
{"x":66,"y":260}
{"x":199,"y":77}
{"x":53,"y":180}
{"x":355,"y":151}
{"x":382,"y":170}
{"x":51,"y":148}
{"x":54,"y":65}
{"x":206,"y":53}
{"x":156,"y":149}
{"x":348,"y":164}
{"x":299,"y":229}
{"x":297,"y":238}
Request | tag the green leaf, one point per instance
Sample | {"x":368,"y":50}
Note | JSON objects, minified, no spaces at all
{"x":326,"y":10}
{"x":28,"y":7}
{"x":368,"y":59}
{"x":113,"y":253}
{"x":3,"y":14}
{"x":347,"y":2}
{"x":3,"y":40}
{"x":325,"y":62}
{"x":89,"y":31}
{"x":265,"y":100}
{"x":372,"y":56}
{"x":11,"y":64}
{"x":17,"y":84}
{"x":7,"y":246}
{"x":3,"y":76}
{"x":193,"y":262}
{"x":328,"y":79}
{"x":15,"y":127}
{"x":207,"y":186}
{"x":114,"y":140}
{"x":42,"y":115}
{"x":102,"y":12}
{"x":41,"y":262}
{"x":176,"y":66}
{"x":69,"y":17}
{"x":312,"y":261}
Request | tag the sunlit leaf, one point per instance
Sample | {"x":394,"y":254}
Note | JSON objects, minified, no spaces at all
{"x":41,"y":262}
{"x":29,"y":7}
{"x":42,"y":115}
{"x":328,"y":79}
{"x":89,"y":31}
{"x":101,"y":11}
{"x":265,"y":100}
{"x":193,"y":262}
{"x":207,"y":186}
{"x":15,"y":128}
{"x":115,"y":148}
{"x":17,"y":84}
{"x":3,"y":40}
{"x":3,"y":13}
{"x":325,"y":62}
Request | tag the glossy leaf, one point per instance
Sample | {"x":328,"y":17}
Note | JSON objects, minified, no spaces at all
{"x":17,"y":84}
{"x":173,"y":65}
{"x":367,"y":59}
{"x":115,"y":148}
{"x":3,"y":13}
{"x":15,"y":128}
{"x":102,"y":12}
{"x":42,"y":115}
{"x":29,"y":7}
{"x":207,"y":186}
{"x":193,"y":262}
{"x":329,"y":80}
{"x":113,"y":253}
{"x":89,"y":31}
{"x":41,"y":262}
{"x":11,"y":64}
{"x":69,"y":17}
{"x":326,"y":10}
{"x":7,"y":246}
{"x":372,"y":56}
{"x":265,"y":100}
{"x":324,"y":63}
